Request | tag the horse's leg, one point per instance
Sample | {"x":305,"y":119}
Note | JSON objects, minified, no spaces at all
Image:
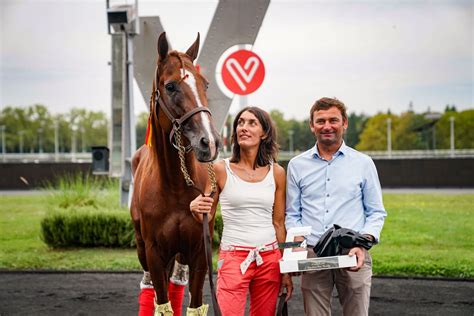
{"x":159,"y":275}
{"x":178,"y":281}
{"x":197,"y":275}
{"x":146,"y":299}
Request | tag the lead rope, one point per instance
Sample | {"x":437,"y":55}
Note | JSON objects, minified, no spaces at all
{"x":205,"y":221}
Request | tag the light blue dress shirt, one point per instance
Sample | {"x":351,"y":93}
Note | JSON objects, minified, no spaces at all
{"x":344,"y":191}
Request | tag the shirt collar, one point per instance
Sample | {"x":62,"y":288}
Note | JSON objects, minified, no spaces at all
{"x":341,"y":151}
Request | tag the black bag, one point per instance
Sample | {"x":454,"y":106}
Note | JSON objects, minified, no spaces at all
{"x":337,"y":241}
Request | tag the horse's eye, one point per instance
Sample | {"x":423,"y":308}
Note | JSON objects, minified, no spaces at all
{"x":170,"y":87}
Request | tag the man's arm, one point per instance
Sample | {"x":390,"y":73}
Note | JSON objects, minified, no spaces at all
{"x":293,"y":198}
{"x":373,"y":205}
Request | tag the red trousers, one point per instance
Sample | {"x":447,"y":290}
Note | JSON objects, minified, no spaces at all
{"x":263,"y":283}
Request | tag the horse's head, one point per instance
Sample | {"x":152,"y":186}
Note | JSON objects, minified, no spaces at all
{"x":182,"y":98}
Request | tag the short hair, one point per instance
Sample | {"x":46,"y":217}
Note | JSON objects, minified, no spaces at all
{"x":325,"y":104}
{"x":268,"y":149}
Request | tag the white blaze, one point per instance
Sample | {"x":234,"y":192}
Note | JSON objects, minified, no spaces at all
{"x":191,"y":82}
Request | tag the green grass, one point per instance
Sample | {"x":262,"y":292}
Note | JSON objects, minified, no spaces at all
{"x":424,"y":235}
{"x":427,"y":235}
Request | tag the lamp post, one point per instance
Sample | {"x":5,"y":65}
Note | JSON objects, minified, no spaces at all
{"x":40,"y":140}
{"x":83,"y":139}
{"x":389,"y":137}
{"x":290,"y":137}
{"x":20,"y":136}
{"x":451,"y":135}
{"x":4,"y":154}
{"x":56,"y":140}
{"x":73,"y":142}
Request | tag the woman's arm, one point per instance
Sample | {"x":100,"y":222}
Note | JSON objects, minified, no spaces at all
{"x":279,"y":221}
{"x":279,"y":204}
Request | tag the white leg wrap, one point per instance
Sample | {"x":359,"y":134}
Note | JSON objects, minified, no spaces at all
{"x":180,"y":274}
{"x":200,"y":311}
{"x":146,"y":282}
{"x":163,"y":309}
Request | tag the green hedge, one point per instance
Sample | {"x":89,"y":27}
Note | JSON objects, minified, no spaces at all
{"x":87,"y":228}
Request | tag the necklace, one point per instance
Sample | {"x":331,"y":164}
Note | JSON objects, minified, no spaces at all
{"x":251,"y":175}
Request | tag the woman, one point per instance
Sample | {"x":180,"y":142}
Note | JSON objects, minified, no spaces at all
{"x":251,"y":191}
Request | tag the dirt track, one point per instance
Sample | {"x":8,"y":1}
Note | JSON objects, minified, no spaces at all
{"x":116,"y":294}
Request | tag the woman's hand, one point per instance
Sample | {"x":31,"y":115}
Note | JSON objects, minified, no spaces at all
{"x":286,"y":283}
{"x":201,"y":204}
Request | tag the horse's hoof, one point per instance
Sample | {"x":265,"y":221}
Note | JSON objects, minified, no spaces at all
{"x":200,"y":311}
{"x":163,"y":309}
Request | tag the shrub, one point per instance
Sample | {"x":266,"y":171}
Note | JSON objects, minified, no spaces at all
{"x":87,"y":227}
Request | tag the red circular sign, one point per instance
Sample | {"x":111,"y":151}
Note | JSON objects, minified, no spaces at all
{"x":243,"y":72}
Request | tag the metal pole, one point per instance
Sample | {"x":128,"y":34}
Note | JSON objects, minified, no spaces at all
{"x":20,"y":134}
{"x":83,"y":139}
{"x":73,"y":144}
{"x":451,"y":134}
{"x":40,"y":140}
{"x":4,"y":152}
{"x":128,"y":130}
{"x":56,"y":141}
{"x":389,"y":137}
{"x":290,"y":136}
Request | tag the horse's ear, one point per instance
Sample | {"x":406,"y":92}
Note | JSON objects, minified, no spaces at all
{"x":162,"y":46}
{"x":193,"y":51}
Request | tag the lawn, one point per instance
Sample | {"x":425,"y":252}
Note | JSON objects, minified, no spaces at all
{"x":424,"y":235}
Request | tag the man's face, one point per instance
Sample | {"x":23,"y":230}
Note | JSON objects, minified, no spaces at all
{"x":328,"y":126}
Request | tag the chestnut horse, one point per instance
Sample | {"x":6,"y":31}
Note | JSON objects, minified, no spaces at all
{"x":164,"y":226}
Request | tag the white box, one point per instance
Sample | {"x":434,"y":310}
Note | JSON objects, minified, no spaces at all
{"x":322,"y":263}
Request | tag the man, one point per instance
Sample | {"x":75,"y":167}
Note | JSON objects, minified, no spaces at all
{"x":334,"y":184}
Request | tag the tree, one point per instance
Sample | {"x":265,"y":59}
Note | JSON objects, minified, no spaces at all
{"x":355,"y":128}
{"x":374,"y":136}
{"x":405,"y":136}
{"x":463,"y":130}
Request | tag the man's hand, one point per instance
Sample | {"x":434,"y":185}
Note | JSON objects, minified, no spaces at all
{"x":359,"y":252}
{"x":286,"y":283}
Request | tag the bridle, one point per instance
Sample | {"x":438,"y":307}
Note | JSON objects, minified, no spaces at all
{"x":176,"y":131}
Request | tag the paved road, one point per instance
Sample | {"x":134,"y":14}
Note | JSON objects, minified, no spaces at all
{"x":116,"y":294}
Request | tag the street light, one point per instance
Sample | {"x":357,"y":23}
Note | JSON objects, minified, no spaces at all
{"x":73,"y":141}
{"x":20,"y":136}
{"x":290,"y":136}
{"x":83,"y":139}
{"x":40,"y":140}
{"x":56,"y":140}
{"x":389,"y":137}
{"x":451,"y":134}
{"x":4,"y":153}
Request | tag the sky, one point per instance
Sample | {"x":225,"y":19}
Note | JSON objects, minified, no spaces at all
{"x":372,"y":55}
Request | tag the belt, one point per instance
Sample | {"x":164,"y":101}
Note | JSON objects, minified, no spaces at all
{"x":254,"y":253}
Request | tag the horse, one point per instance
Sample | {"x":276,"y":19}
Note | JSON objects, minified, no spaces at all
{"x":170,"y":171}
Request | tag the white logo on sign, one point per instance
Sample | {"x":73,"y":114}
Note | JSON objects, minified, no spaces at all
{"x":233,"y":65}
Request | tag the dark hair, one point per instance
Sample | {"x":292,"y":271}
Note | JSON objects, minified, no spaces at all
{"x":268,"y":149}
{"x":326,"y":103}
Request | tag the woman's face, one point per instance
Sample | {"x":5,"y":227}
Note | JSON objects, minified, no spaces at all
{"x":249,"y":130}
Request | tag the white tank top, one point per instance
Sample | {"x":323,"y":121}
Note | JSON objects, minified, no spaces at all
{"x":247,"y":210}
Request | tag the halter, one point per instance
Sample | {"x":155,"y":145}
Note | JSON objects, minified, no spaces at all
{"x":176,"y":122}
